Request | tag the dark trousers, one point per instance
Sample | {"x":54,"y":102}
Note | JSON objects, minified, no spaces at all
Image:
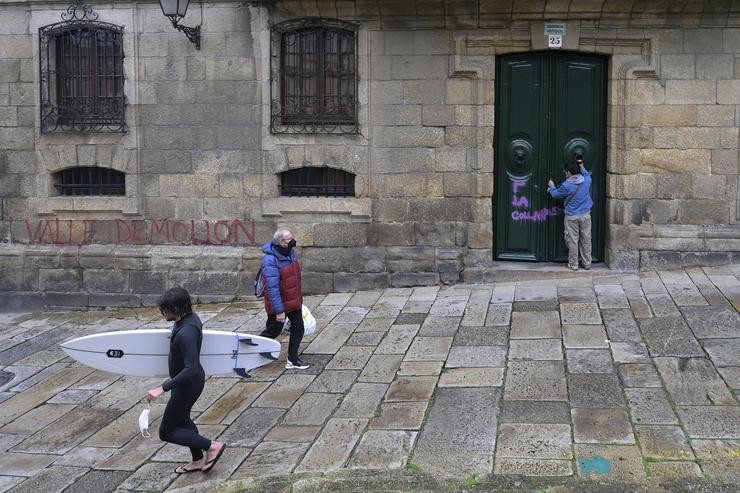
{"x":274,"y":328}
{"x":177,"y":427}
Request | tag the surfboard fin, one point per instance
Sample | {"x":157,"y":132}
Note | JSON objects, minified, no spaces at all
{"x":248,"y":341}
{"x":242,"y":372}
{"x":269,"y":356}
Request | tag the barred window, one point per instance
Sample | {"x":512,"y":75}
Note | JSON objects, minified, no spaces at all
{"x":90,"y":181}
{"x":314,"y":77}
{"x":81,"y":67}
{"x":317,"y":182}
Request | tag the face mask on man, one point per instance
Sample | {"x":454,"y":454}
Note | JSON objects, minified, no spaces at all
{"x":292,"y":243}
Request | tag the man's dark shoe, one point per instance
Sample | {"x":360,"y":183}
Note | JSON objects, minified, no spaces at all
{"x":298,"y":364}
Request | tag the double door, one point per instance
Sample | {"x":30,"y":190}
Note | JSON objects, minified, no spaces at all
{"x":550,"y":109}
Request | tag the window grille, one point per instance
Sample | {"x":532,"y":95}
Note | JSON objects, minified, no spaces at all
{"x":314,"y":77}
{"x":81,"y":68}
{"x":317,"y":182}
{"x":90,"y":181}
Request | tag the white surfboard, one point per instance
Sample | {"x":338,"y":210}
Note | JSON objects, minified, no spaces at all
{"x":144,"y":352}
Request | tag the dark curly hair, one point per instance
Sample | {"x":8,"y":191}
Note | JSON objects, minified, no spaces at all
{"x":176,"y":301}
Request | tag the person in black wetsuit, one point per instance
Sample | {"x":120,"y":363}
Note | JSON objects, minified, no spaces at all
{"x":186,"y":382}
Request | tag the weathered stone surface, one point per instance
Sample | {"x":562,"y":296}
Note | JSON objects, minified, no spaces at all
{"x":333,"y":381}
{"x":476,"y":357}
{"x":331,"y":338}
{"x":400,"y":416}
{"x":650,"y":406}
{"x":397,"y":340}
{"x":534,"y":441}
{"x":710,"y":421}
{"x":723,"y":352}
{"x":332,"y":448}
{"x":669,"y":336}
{"x":460,"y":434}
{"x":285,"y":391}
{"x":639,"y":375}
{"x":535,"y":412}
{"x":271,"y":458}
{"x":621,"y":325}
{"x":533,"y":467}
{"x":55,"y":478}
{"x":419,"y":368}
{"x":580,"y":313}
{"x":481,"y":336}
{"x":535,"y":381}
{"x":99,"y":481}
{"x":718,"y":458}
{"x":472,"y":377}
{"x":411,"y":389}
{"x":350,"y":358}
{"x":311,"y":409}
{"x":693,"y":381}
{"x":535,"y":325}
{"x":298,"y":434}
{"x":663,"y":442}
{"x":428,"y":349}
{"x":437,"y":326}
{"x":361,"y":401}
{"x":17,"y":464}
{"x":629,"y":352}
{"x":251,"y":426}
{"x":611,"y":462}
{"x":601,"y":426}
{"x":594,"y":390}
{"x":675,"y":470}
{"x":584,"y":336}
{"x":381,"y":368}
{"x":589,"y":361}
{"x":380,"y":449}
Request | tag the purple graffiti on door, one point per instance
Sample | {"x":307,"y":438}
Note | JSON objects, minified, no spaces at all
{"x":521,"y":202}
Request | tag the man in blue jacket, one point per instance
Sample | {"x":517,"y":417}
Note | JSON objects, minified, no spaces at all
{"x":576,"y":194}
{"x":283,"y":298}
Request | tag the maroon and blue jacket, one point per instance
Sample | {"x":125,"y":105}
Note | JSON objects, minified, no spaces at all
{"x":282,"y":280}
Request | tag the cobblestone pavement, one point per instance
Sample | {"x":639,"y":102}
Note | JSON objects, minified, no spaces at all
{"x":617,"y":377}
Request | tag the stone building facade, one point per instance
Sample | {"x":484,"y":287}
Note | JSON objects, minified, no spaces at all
{"x":202,"y":153}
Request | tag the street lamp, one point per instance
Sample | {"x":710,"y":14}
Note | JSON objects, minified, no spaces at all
{"x":176,"y":10}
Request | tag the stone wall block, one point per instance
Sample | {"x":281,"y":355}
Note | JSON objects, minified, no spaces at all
{"x":686,"y":138}
{"x":109,"y":300}
{"x":412,"y":259}
{"x":690,"y":92}
{"x":60,"y":279}
{"x":407,"y":185}
{"x":447,"y":209}
{"x":415,"y":278}
{"x":725,"y":161}
{"x":435,"y":42}
{"x":317,"y":283}
{"x":419,"y":67}
{"x":678,"y":66}
{"x":146,"y":282}
{"x":644,"y":92}
{"x":702,"y":40}
{"x":410,"y":136}
{"x":10,"y":70}
{"x":461,"y":136}
{"x":386,"y":92}
{"x":661,"y":211}
{"x":340,"y":234}
{"x":715,"y":116}
{"x":188,"y":185}
{"x":402,"y":160}
{"x":14,"y":138}
{"x":728,"y":91}
{"x":436,"y":234}
{"x":226,"y":283}
{"x":351,"y":282}
{"x":424,"y":92}
{"x":438,"y":115}
{"x":15,"y":45}
{"x":674,"y":186}
{"x":729,"y":137}
{"x":453,"y":159}
{"x":657,"y":260}
{"x":65,"y":299}
{"x":392,"y":115}
{"x":104,"y":281}
{"x":676,"y":160}
{"x":392,"y":234}
{"x":480,"y":235}
{"x":704,"y":212}
{"x":715,"y":66}
{"x":708,"y":186}
{"x":389,"y":210}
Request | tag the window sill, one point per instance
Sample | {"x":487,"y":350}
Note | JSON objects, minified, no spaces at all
{"x":53,"y":205}
{"x":318,"y":209}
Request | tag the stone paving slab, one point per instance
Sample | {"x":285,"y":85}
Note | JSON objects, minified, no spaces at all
{"x":414,"y":380}
{"x":460,"y":434}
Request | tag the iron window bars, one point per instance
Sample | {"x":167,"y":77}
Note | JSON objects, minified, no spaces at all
{"x":317,"y":182}
{"x":313,"y":77}
{"x":81,"y":69}
{"x":90,"y":181}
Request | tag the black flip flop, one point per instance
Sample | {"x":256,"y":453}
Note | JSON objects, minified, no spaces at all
{"x":209,"y":465}
{"x":181,"y":469}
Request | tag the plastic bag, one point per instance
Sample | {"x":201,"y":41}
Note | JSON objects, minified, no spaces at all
{"x":309,"y":322}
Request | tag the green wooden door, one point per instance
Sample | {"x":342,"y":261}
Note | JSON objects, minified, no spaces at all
{"x":550,"y":107}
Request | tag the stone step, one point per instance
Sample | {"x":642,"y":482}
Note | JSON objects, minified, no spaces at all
{"x":500,"y":271}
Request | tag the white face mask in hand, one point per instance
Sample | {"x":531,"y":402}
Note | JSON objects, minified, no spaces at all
{"x":144,"y":423}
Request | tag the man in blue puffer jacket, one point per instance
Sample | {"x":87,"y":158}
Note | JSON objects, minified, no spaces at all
{"x":576,"y":192}
{"x":281,"y":274}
